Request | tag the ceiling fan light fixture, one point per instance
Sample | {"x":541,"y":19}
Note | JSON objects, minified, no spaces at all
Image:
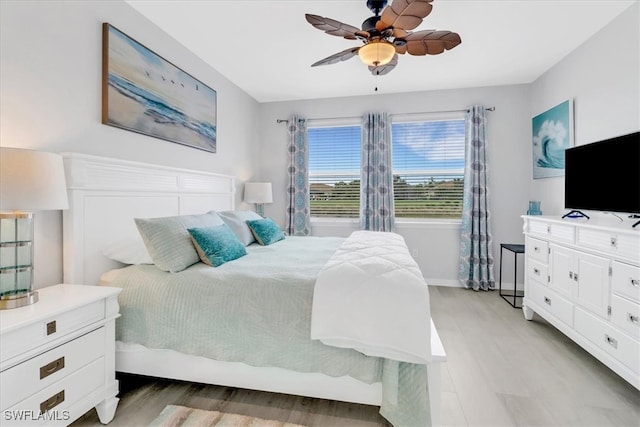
{"x":376,"y":53}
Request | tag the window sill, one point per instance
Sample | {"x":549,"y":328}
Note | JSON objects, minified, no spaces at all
{"x":400,"y":223}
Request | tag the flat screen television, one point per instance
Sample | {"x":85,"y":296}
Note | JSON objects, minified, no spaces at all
{"x":604,"y":175}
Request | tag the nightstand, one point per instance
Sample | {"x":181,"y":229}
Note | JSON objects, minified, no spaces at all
{"x":57,"y":356}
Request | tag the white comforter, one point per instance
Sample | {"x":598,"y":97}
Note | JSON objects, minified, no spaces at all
{"x":371,"y":296}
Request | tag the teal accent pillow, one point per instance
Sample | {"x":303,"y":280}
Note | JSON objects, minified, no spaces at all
{"x":265,"y":231}
{"x":168,"y":242}
{"x":217,"y":245}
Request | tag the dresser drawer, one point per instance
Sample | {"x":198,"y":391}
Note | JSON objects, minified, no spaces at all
{"x":625,"y":314}
{"x":625,"y":280}
{"x":622,"y":347}
{"x":553,"y":231}
{"x":62,"y":395}
{"x":537,"y":271}
{"x":537,"y":249}
{"x":551,"y":301}
{"x":611,"y":242}
{"x":41,"y":333}
{"x":21,"y":381}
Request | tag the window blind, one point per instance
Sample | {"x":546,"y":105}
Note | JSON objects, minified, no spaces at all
{"x":334,"y":171}
{"x":428,"y":168}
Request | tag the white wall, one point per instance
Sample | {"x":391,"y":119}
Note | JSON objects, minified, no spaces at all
{"x":435,"y":246}
{"x":602,"y":77}
{"x":50,"y":99}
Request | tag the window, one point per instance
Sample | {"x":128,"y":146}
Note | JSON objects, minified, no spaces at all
{"x":428,"y":169}
{"x":334,"y":171}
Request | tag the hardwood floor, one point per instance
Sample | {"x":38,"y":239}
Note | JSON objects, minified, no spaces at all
{"x":501,"y":370}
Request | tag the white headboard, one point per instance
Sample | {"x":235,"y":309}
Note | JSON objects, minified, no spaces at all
{"x":106,"y":194}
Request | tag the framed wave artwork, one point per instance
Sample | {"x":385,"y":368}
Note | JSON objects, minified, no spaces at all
{"x":552,"y":135}
{"x":144,"y":93}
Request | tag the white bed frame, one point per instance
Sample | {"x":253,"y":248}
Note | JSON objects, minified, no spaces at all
{"x":105,"y":195}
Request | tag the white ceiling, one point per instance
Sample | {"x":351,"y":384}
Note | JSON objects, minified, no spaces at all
{"x":266,"y":47}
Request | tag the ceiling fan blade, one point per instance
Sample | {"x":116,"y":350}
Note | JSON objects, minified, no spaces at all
{"x":335,"y":28}
{"x":399,"y":33}
{"x":430,"y":42}
{"x":338,"y":57}
{"x":381,"y":70}
{"x":405,"y":14}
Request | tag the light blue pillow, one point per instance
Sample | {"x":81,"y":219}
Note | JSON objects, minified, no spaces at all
{"x":237,"y":220}
{"x":265,"y":231}
{"x":217,"y":245}
{"x":168,"y":241}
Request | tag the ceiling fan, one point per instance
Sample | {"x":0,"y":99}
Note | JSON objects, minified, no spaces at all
{"x":387,"y":34}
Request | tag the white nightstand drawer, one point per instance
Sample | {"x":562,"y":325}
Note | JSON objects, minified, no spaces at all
{"x":621,"y":346}
{"x":40,"y":333}
{"x":626,"y":280}
{"x":20,"y":381}
{"x":551,"y":301}
{"x":61,"y":395}
{"x":626,"y":315}
{"x":537,"y":249}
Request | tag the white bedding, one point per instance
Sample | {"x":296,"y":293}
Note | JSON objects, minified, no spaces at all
{"x":371,"y":296}
{"x":257,"y":310}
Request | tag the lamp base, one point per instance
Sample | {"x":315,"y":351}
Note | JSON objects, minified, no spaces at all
{"x":18,"y":300}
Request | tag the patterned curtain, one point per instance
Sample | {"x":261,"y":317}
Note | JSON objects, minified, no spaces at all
{"x":298,"y":210}
{"x":376,"y":173}
{"x":476,"y":254}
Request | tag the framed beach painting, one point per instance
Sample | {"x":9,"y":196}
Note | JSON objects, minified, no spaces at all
{"x":144,"y":93}
{"x":552,"y":135}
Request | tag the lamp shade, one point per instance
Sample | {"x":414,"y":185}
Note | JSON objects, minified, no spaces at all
{"x":31,"y":181}
{"x":376,"y":53}
{"x":258,"y":192}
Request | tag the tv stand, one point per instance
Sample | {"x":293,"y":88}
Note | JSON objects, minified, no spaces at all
{"x":575,"y":214}
{"x":583,"y":278}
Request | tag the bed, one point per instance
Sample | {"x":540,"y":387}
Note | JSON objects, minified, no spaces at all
{"x":105,"y":196}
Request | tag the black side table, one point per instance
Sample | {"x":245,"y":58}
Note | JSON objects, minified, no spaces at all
{"x":516,"y":249}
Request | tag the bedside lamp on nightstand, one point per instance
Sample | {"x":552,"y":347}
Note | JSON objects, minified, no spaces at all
{"x":258,"y":193}
{"x":29,"y":181}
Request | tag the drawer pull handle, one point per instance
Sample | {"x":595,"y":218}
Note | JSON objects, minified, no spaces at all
{"x":614,"y":242}
{"x":611,"y":341}
{"x":52,"y":402}
{"x":633,"y":319}
{"x":51,"y":368}
{"x":536,"y":249}
{"x":575,"y":277}
{"x":547,"y":300}
{"x":571,"y":275}
{"x":536,"y":271}
{"x":634,"y":282}
{"x":51,"y":327}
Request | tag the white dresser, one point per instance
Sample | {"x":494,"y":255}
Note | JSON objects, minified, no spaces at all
{"x":584,"y":279}
{"x":58,"y":357}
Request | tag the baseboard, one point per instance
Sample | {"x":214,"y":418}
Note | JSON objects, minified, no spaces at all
{"x":444,"y":282}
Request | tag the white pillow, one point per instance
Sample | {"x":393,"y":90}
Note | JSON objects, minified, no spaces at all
{"x":128,"y":251}
{"x":237,"y":221}
{"x":168,"y":241}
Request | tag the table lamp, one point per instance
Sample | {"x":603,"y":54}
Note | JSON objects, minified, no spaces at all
{"x":30,"y":181}
{"x":258,"y":193}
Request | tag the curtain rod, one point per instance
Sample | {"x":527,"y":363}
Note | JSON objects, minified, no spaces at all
{"x":398,"y":114}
